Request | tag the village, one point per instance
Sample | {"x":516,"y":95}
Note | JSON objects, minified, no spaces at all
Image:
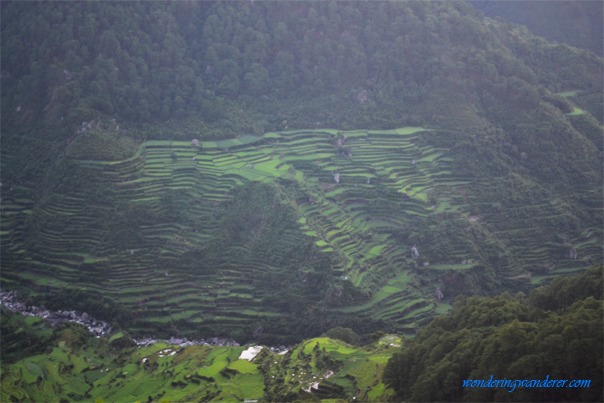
{"x":9,"y":300}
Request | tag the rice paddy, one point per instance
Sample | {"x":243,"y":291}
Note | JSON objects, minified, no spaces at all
{"x":359,"y":203}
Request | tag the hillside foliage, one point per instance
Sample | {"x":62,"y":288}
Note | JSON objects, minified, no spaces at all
{"x":577,"y":23}
{"x":555,"y":331}
{"x":150,"y":62}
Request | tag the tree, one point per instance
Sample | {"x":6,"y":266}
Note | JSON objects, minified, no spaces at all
{"x":495,"y":336}
{"x":345,"y":334}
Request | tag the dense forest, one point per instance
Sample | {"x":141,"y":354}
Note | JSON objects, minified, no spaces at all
{"x":469,"y":137}
{"x":149,"y":62}
{"x":576,"y":23}
{"x":556,"y":330}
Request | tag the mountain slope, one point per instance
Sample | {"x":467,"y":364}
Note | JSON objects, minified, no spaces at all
{"x":184,"y":236}
{"x":469,"y":138}
{"x":577,"y":23}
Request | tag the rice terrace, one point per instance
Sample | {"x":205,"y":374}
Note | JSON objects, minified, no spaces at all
{"x":361,"y":223}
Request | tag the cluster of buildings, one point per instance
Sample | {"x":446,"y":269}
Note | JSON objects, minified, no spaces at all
{"x":10,"y":301}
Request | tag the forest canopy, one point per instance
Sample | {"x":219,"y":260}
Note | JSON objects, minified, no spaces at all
{"x":555,"y":331}
{"x":158,"y":61}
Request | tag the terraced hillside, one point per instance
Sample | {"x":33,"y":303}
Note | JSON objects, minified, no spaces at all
{"x":83,"y":369}
{"x":245,"y":235}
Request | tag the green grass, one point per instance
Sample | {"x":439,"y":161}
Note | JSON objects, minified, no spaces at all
{"x":449,"y":267}
{"x":376,"y":250}
{"x":394,"y":286}
{"x":567,"y":94}
{"x":443,"y":309}
{"x":244,"y":367}
{"x":329,"y":345}
{"x":576,"y":111}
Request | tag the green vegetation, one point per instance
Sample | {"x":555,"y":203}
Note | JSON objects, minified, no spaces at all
{"x":575,"y":23}
{"x":95,"y":369}
{"x":22,"y":336}
{"x":274,"y":66}
{"x":556,"y":331}
{"x":233,"y":242}
{"x":261,"y":170}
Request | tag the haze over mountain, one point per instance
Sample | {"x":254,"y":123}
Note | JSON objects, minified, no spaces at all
{"x":332,"y":138}
{"x":576,"y":23}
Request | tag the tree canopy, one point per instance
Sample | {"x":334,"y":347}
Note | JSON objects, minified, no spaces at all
{"x":555,"y":331}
